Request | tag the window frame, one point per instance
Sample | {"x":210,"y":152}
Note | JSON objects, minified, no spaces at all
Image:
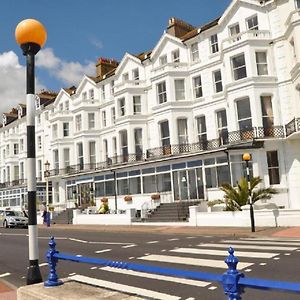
{"x":264,"y":65}
{"x":236,"y":69}
{"x":161,"y":95}
{"x":137,"y":105}
{"x":214,"y":44}
{"x":194,"y":52}
{"x":91,"y":121}
{"x":271,"y":167}
{"x":179,"y":91}
{"x":197,"y":88}
{"x":218,"y":83}
{"x":253,"y":27}
{"x":175,"y":55}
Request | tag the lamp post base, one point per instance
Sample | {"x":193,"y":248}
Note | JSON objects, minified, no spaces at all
{"x":34,"y":273}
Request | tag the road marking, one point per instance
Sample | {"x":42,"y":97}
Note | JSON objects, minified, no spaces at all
{"x":276,"y":258}
{"x":56,"y":238}
{"x":212,"y":288}
{"x":225,"y":253}
{"x":236,"y":246}
{"x":158,"y":277}
{"x":164,"y":250}
{"x":79,"y":255}
{"x":248,"y":270}
{"x":287,"y":254}
{"x":132,"y":257}
{"x":190,"y":298}
{"x":129,"y":246}
{"x":72,"y":274}
{"x":192,"y":261}
{"x":102,"y":251}
{"x":190,"y":237}
{"x":43,"y":264}
{"x":93,"y":268}
{"x":261,"y":242}
{"x":110,"y":243}
{"x":152,"y":242}
{"x":79,"y":241}
{"x":170,"y":240}
{"x":4,"y":275}
{"x":124,"y":288}
{"x":262,"y":264}
{"x":279,"y":239}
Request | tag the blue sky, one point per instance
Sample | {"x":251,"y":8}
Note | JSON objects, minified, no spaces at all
{"x":81,"y":31}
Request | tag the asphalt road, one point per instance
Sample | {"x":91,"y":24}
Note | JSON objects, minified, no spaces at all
{"x":182,"y":251}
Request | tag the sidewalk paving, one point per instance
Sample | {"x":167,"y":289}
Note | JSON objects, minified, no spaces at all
{"x":7,"y":291}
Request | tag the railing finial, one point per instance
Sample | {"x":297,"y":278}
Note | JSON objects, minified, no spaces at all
{"x":52,"y":261}
{"x":231,"y":277}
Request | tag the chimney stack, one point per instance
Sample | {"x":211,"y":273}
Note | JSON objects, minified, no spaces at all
{"x":104,"y":66}
{"x":178,"y":27}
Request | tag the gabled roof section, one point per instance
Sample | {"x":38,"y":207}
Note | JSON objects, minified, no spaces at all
{"x":124,"y":60}
{"x":84,"y":80}
{"x":164,"y":38}
{"x":144,"y":55}
{"x":63,"y":92}
{"x":235,"y":3}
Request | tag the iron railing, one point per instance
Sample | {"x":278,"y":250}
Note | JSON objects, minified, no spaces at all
{"x":232,"y":281}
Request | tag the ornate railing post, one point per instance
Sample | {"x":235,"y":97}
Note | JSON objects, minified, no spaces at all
{"x":230,"y":279}
{"x":52,"y":261}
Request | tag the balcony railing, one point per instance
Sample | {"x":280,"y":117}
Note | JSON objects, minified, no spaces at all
{"x":225,"y":139}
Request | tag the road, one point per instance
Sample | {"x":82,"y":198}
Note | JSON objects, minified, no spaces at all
{"x":269,"y":258}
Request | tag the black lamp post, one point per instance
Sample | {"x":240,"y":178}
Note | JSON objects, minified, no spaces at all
{"x":31,"y":36}
{"x":115,"y":190}
{"x":246,"y":158}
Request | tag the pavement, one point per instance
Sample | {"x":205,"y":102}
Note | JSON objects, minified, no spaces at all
{"x":9,"y":292}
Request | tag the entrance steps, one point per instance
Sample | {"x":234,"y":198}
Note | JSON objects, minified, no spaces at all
{"x":171,"y":212}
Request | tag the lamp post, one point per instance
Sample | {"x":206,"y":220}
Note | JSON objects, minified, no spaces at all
{"x":31,"y":36}
{"x":46,"y":175}
{"x":246,"y":158}
{"x":115,"y":190}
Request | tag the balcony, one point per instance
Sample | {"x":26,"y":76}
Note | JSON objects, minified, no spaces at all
{"x":225,"y":140}
{"x":245,"y":36}
{"x":170,"y":67}
{"x":129,"y":84}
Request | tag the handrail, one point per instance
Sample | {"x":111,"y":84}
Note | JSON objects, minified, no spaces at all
{"x":232,"y":280}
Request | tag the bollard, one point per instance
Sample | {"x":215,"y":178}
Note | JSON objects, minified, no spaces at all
{"x":52,"y":261}
{"x":230,"y":279}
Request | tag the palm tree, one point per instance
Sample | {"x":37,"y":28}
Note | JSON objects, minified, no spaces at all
{"x":235,"y":197}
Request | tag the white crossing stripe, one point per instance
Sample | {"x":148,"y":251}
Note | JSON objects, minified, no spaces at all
{"x":79,"y":241}
{"x":43,"y":264}
{"x":175,"y":239}
{"x":129,"y":246}
{"x":4,"y":275}
{"x":102,"y":251}
{"x":193,"y":261}
{"x":152,"y":242}
{"x":279,"y":239}
{"x":262,"y":242}
{"x":224,"y":253}
{"x":158,"y":277}
{"x":236,"y":246}
{"x":124,"y":288}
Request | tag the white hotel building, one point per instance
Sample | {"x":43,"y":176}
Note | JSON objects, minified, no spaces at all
{"x":173,"y":121}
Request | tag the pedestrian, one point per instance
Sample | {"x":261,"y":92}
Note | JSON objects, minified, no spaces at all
{"x":45,"y":216}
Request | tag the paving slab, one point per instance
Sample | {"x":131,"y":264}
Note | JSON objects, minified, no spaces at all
{"x":70,"y":290}
{"x":7,"y":291}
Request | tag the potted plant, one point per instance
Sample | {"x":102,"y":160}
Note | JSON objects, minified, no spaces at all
{"x":128,"y":198}
{"x":155,"y":196}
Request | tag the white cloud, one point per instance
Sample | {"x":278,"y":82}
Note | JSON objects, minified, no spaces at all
{"x":12,"y":83}
{"x":96,"y":42}
{"x":69,"y":73}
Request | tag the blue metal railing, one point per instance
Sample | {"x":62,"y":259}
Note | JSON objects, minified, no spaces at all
{"x":232,"y":280}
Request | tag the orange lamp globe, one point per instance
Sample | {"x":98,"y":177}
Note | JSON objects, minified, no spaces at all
{"x":246,"y":156}
{"x":31,"y":31}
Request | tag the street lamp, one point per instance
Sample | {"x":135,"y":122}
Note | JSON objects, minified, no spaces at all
{"x":246,"y":158}
{"x":115,"y":190}
{"x":31,"y":36}
{"x":46,"y":175}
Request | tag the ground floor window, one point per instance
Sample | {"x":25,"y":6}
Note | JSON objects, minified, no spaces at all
{"x":273,"y":167}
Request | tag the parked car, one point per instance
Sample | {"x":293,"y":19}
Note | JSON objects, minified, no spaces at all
{"x":11,"y":218}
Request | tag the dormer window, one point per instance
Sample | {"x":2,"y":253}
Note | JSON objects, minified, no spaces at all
{"x":194,"y":52}
{"x":112,"y":87}
{"x":163,"y":60}
{"x":84,"y":96}
{"x":175,"y":56}
{"x":214,"y":46}
{"x":135,"y":74}
{"x":125,"y":77}
{"x":91,"y":93}
{"x":37,"y":102}
{"x":67,"y":106}
{"x":252,"y":23}
{"x":61,"y":106}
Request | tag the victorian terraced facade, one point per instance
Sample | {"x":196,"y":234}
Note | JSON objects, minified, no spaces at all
{"x":172,"y":124}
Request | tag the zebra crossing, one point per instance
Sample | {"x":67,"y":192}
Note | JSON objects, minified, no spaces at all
{"x":208,"y":256}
